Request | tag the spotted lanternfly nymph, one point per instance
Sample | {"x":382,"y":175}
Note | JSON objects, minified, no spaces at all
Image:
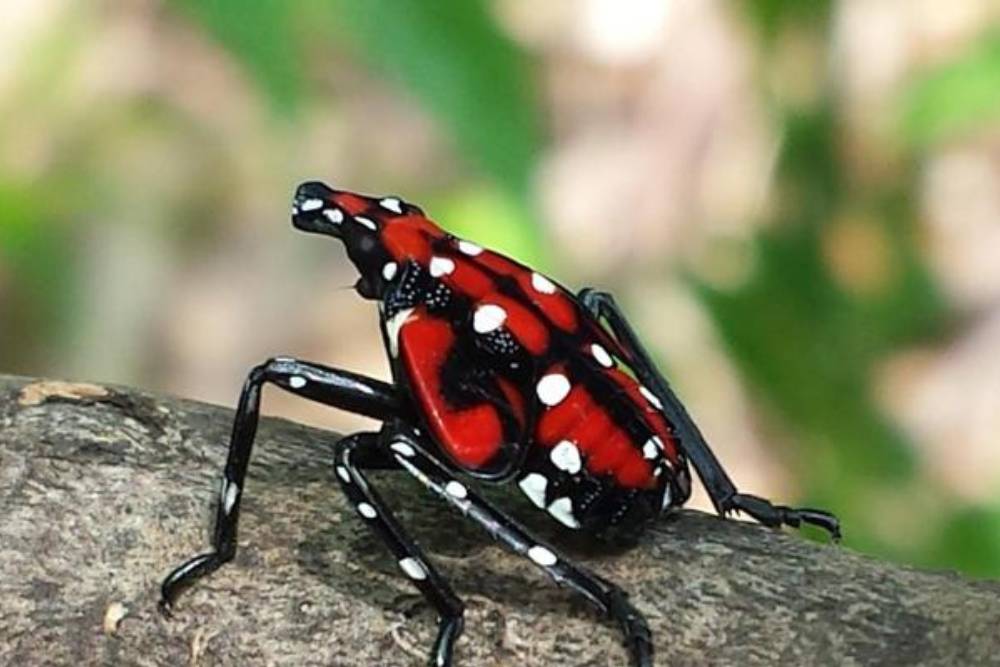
{"x":499,"y":375}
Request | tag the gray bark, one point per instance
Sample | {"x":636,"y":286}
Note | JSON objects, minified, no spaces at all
{"x":105,"y":489}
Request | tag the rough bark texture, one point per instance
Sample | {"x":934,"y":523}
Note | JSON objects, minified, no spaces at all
{"x":105,"y":489}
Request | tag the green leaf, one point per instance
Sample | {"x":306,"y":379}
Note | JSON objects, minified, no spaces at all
{"x":956,"y":97}
{"x":451,"y":56}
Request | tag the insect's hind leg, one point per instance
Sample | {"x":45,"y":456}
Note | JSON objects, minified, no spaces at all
{"x":363,"y":450}
{"x":605,"y":595}
{"x":342,"y":389}
{"x":720,"y":487}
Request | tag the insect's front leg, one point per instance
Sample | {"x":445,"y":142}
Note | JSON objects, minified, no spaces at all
{"x":408,"y":450}
{"x":337,"y":388}
{"x":720,"y":487}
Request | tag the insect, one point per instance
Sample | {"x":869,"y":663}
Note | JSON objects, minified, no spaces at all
{"x":499,"y":375}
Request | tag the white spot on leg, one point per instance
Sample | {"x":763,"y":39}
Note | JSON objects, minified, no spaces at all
{"x":391,"y":204}
{"x":343,"y":474}
{"x":542,"y":284}
{"x":334,"y":215}
{"x":488,"y":317}
{"x":389,"y":270}
{"x":296,"y":382}
{"x":552,"y":389}
{"x":456,"y":489}
{"x":441,"y":266}
{"x":651,"y":397}
{"x":413,"y":568}
{"x":403,"y":449}
{"x":232,"y":493}
{"x":533,"y":485}
{"x":542,"y":556}
{"x":367,"y":511}
{"x":566,"y":456}
{"x":652,"y":447}
{"x":562,"y":511}
{"x":392,"y":327}
{"x":468,"y":248}
{"x":365,"y":222}
{"x":311,"y":204}
{"x":602,"y":356}
{"x":666,"y":498}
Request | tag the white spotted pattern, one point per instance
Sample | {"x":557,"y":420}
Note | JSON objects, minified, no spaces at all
{"x":392,"y":327}
{"x":534,"y":485}
{"x":562,"y":511}
{"x":232,"y":492}
{"x":366,"y":222}
{"x":488,"y":317}
{"x":389,"y":270}
{"x":542,"y":284}
{"x":391,"y":204}
{"x":441,"y":266}
{"x":468,"y":248}
{"x":334,"y":215}
{"x":456,"y":489}
{"x":552,"y":389}
{"x":297,"y":382}
{"x":367,"y":511}
{"x":566,"y":456}
{"x":344,"y":475}
{"x":651,"y":397}
{"x":542,"y":556}
{"x":403,"y":449}
{"x":652,"y":447}
{"x":602,"y":356}
{"x":413,"y":568}
{"x":312,"y":204}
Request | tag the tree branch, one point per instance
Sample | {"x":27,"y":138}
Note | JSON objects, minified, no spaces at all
{"x":105,"y":489}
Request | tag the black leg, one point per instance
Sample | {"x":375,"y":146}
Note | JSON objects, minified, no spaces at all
{"x":606,"y":596}
{"x":720,"y":488}
{"x":364,"y":450}
{"x":337,"y":388}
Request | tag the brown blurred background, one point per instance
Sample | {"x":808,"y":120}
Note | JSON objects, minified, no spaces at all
{"x":797,"y":202}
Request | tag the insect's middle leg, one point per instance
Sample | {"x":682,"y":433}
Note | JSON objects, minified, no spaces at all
{"x":337,"y":388}
{"x":720,"y":487}
{"x":606,"y":596}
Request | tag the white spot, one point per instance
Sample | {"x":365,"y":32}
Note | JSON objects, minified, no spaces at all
{"x":311,"y":204}
{"x":651,"y":397}
{"x":334,"y":215}
{"x":366,"y":222}
{"x":413,"y":568}
{"x":666,"y":498}
{"x":652,"y":448}
{"x":566,"y":456}
{"x":441,"y":266}
{"x":552,"y":389}
{"x":468,"y":248}
{"x":456,"y":489}
{"x":284,"y":360}
{"x":542,"y":556}
{"x":392,"y":204}
{"x":367,"y":511}
{"x":534,"y":485}
{"x":389,"y":270}
{"x":297,"y":382}
{"x":403,"y":449}
{"x":488,"y":317}
{"x":344,"y":475}
{"x":542,"y":284}
{"x":562,"y":511}
{"x":602,"y":356}
{"x":232,"y":491}
{"x":392,"y":327}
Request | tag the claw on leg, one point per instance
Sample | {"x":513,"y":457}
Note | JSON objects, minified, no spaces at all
{"x":776,"y":516}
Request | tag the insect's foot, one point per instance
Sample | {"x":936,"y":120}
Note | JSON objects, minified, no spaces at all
{"x":444,"y":645}
{"x":775,"y":516}
{"x":638,"y":637}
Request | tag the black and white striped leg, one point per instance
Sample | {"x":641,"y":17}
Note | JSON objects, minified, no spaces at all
{"x":363,"y":450}
{"x":606,"y":596}
{"x":720,"y":487}
{"x":333,"y":387}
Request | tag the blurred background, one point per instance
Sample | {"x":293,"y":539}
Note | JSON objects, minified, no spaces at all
{"x":798,"y":203}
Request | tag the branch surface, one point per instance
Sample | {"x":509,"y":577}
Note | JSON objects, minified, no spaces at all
{"x":105,"y":489}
